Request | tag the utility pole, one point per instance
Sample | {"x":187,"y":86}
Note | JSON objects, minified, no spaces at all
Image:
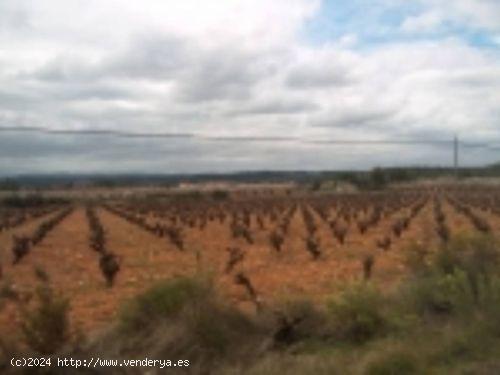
{"x":455,"y":155}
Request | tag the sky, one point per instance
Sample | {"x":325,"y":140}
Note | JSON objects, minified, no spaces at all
{"x":232,"y":85}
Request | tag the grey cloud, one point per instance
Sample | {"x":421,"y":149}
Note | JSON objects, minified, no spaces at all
{"x":15,"y":100}
{"x":55,"y":70}
{"x":25,"y":152}
{"x":92,"y":92}
{"x":153,"y":57}
{"x":277,"y":107}
{"x":224,"y":73}
{"x":63,"y":69}
{"x":479,"y":78}
{"x":355,"y":117}
{"x":305,"y":77}
{"x":423,"y":134}
{"x":28,"y":153}
{"x":13,"y":16}
{"x":82,"y":91}
{"x":199,"y":75}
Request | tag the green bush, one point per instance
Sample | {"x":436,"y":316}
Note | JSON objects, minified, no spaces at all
{"x":440,"y":294}
{"x":46,"y":327}
{"x":210,"y":334}
{"x":460,"y":343}
{"x":459,"y":278}
{"x":215,"y":328}
{"x":451,"y":294}
{"x":163,"y":300}
{"x":475,"y":254}
{"x":184,"y":317}
{"x":357,"y":314}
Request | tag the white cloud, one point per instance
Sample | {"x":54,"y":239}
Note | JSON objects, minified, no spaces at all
{"x":422,"y":23}
{"x":476,"y":13}
{"x":348,"y":41}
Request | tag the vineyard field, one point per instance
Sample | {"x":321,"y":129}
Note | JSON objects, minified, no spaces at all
{"x":260,"y":246}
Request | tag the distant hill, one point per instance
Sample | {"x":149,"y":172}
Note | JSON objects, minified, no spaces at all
{"x":134,"y":179}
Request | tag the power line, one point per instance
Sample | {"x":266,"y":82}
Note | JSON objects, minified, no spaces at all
{"x":382,"y":142}
{"x":126,"y":134}
{"x":104,"y":132}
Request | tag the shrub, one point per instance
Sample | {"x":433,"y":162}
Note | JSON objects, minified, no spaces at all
{"x":216,"y":329}
{"x":462,"y":342}
{"x":183,"y":317}
{"x":460,"y":276}
{"x":438,"y":294}
{"x":298,"y":319}
{"x":476,"y":254}
{"x":357,"y":314}
{"x":46,"y":327}
{"x":208,"y":334}
{"x":163,"y":300}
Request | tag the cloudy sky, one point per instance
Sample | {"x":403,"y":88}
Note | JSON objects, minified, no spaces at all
{"x":246,"y":84}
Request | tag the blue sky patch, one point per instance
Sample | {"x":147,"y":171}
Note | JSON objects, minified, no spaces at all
{"x":376,"y":22}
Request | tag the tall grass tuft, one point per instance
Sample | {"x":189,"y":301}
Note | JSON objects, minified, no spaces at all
{"x":46,"y":327}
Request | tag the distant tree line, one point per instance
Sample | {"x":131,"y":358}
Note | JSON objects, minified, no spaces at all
{"x":30,"y":201}
{"x":379,"y":178}
{"x":374,"y":179}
